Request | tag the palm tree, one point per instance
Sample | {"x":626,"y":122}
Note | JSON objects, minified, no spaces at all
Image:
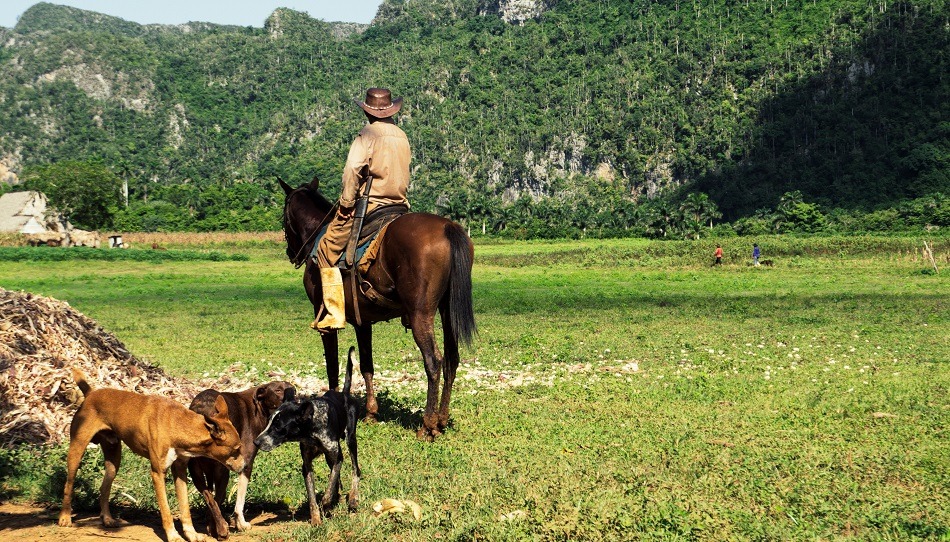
{"x":454,"y":206}
{"x":700,"y":209}
{"x":502,"y":217}
{"x":523,"y":208}
{"x":480,"y":207}
{"x":661,"y":221}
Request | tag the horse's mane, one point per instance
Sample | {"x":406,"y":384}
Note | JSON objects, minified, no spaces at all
{"x":322,"y":203}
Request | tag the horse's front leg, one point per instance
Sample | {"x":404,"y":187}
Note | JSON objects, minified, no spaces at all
{"x":331,"y":356}
{"x":425,"y":339}
{"x":364,"y":340}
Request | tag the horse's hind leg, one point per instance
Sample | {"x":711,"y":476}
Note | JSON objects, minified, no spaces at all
{"x":364,"y":339}
{"x":450,"y":366}
{"x":422,"y":332}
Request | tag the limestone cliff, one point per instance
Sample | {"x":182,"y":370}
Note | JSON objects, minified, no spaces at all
{"x":516,"y":11}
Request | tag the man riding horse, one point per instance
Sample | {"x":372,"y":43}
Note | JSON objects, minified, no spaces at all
{"x":380,"y":152}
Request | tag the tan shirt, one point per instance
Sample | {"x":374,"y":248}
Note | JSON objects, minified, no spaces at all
{"x":384,"y":148}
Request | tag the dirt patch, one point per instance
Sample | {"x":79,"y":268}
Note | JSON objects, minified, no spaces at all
{"x":29,"y":523}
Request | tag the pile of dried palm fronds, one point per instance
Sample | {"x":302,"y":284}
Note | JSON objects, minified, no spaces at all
{"x":40,"y":340}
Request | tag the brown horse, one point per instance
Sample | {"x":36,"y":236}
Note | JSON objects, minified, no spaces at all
{"x":424,"y":265}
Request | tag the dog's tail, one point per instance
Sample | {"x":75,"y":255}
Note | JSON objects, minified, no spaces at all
{"x":348,"y":378}
{"x":80,"y":379}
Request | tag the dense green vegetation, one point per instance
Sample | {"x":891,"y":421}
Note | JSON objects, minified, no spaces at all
{"x":87,"y":194}
{"x":598,"y":118}
{"x":659,"y":400}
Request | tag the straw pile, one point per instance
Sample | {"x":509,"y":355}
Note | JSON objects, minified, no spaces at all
{"x":40,"y":339}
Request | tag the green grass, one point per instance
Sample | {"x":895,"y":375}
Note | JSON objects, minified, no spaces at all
{"x":659,"y":399}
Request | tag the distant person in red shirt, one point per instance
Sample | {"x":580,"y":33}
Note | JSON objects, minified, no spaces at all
{"x":718,"y":255}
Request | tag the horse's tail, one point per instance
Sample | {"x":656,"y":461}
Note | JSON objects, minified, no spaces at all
{"x":461,"y":312}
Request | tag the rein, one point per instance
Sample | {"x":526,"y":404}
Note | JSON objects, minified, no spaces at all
{"x":298,"y":258}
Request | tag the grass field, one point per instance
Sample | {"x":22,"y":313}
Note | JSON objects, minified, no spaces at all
{"x":618,"y":390}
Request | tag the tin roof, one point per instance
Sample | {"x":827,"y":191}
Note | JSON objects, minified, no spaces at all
{"x":22,"y":212}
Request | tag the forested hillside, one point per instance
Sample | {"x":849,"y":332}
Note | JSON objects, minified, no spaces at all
{"x":574,"y":117}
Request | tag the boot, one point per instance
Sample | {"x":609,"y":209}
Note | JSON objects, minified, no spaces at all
{"x":333,"y":300}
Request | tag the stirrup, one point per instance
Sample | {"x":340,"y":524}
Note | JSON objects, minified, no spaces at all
{"x":321,"y":312}
{"x":324,"y":330}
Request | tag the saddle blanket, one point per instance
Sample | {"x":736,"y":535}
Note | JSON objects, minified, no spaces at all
{"x":373,"y":226}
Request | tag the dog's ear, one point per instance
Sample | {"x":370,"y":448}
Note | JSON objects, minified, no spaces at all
{"x":260,"y":394}
{"x":221,"y":407}
{"x":291,"y":392}
{"x":307,"y":411}
{"x":213,"y":422}
{"x":214,"y":429}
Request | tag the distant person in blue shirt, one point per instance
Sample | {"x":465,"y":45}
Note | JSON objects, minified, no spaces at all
{"x":755,"y":254}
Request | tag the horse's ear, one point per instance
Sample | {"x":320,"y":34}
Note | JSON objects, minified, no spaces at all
{"x":315,"y":183}
{"x":285,"y":186}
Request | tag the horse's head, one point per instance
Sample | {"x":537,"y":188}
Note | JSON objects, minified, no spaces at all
{"x":304,"y":212}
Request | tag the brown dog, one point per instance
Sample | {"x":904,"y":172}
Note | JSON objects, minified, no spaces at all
{"x":249,"y":411}
{"x":156,"y":428}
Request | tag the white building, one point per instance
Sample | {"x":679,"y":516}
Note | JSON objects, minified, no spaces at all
{"x":25,"y":212}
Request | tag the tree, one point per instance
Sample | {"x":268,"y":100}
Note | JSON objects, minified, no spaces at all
{"x":844,"y":101}
{"x":804,"y":218}
{"x":88,"y":194}
{"x":794,"y":214}
{"x":697,"y":209}
{"x":661,"y":221}
{"x":502,"y":218}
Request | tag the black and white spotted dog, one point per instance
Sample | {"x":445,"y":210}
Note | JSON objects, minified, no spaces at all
{"x":319,"y":423}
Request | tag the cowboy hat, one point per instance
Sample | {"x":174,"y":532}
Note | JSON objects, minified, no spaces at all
{"x":379,"y":103}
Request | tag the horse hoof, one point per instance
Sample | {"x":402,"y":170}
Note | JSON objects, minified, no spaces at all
{"x":370,"y":419}
{"x":426,"y":434}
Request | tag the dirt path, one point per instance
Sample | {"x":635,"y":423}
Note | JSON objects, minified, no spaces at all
{"x":24,"y":523}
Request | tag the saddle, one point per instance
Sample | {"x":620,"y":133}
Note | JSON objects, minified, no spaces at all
{"x":373,"y":227}
{"x":369,"y":238}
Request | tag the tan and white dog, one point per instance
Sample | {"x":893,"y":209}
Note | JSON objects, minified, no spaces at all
{"x":156,"y":428}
